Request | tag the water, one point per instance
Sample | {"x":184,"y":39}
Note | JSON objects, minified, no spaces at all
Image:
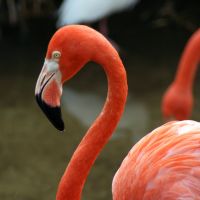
{"x":34,"y":154}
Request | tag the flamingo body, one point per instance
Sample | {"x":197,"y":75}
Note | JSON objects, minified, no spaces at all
{"x":87,"y":11}
{"x":164,"y":165}
{"x":177,"y":102}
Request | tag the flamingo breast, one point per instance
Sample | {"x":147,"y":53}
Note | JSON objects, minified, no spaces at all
{"x":165,"y":164}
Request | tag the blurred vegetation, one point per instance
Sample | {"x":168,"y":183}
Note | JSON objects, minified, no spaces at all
{"x":20,"y":14}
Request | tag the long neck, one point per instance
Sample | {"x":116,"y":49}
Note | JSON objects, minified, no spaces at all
{"x":188,"y":63}
{"x":72,"y":182}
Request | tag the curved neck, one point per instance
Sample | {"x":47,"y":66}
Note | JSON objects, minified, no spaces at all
{"x":72,"y":182}
{"x":188,"y":63}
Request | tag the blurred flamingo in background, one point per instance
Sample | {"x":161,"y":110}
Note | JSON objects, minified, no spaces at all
{"x":88,"y":11}
{"x":76,"y":103}
{"x":178,"y":100}
{"x":165,"y":164}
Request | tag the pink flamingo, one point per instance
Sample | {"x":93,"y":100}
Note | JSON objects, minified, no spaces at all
{"x":165,"y":164}
{"x":178,"y":100}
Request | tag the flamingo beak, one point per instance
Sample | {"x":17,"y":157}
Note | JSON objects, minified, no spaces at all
{"x":48,"y":93}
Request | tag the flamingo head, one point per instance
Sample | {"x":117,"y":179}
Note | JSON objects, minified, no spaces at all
{"x":177,"y":103}
{"x":63,"y":60}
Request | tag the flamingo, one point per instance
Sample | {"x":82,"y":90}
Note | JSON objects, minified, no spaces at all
{"x":88,"y":11}
{"x":165,"y":164}
{"x":76,"y":11}
{"x":178,"y":99}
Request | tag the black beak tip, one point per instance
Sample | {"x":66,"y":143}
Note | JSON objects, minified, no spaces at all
{"x":60,"y":126}
{"x":53,"y":113}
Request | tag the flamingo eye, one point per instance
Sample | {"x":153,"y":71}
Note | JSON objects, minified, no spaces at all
{"x":56,"y":55}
